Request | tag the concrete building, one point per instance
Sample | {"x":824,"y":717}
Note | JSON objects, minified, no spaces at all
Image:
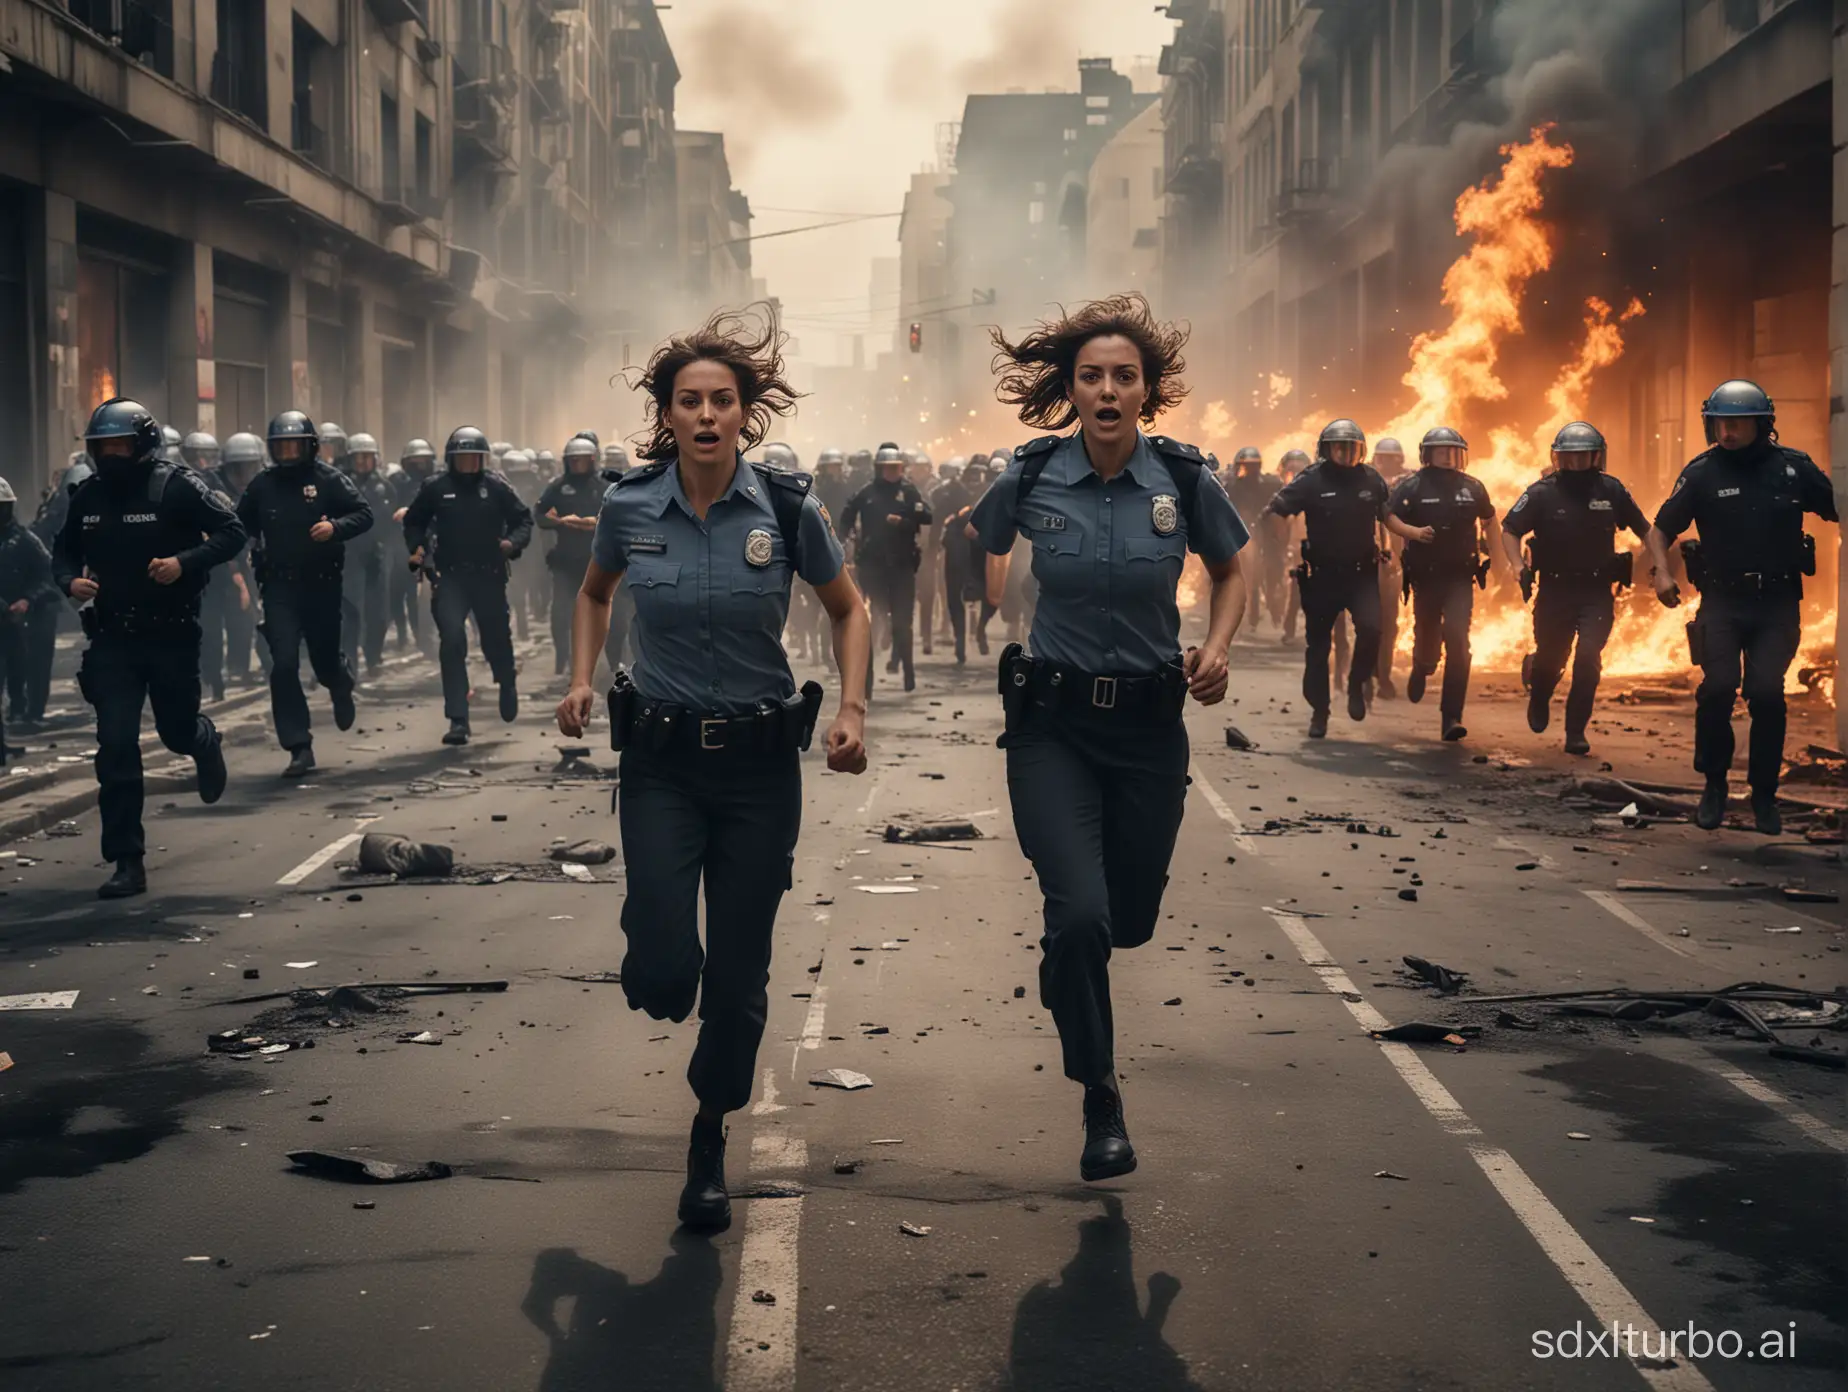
{"x":399,"y":214}
{"x":715,"y":228}
{"x":1314,"y":147}
{"x":1122,"y":242}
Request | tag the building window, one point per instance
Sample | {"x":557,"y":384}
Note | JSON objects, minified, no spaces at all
{"x":1097,"y":103}
{"x":238,"y":65}
{"x":425,"y":135}
{"x":391,"y":173}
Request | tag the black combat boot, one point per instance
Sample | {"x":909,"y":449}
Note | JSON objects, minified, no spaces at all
{"x":704,"y":1204}
{"x":345,"y":712}
{"x":130,"y":879}
{"x":1576,"y":743}
{"x":1107,"y":1151}
{"x":509,"y":700}
{"x":1318,"y":724}
{"x":1712,"y":809}
{"x":301,"y":762}
{"x":1765,"y":816}
{"x":210,"y":763}
{"x":1540,"y":713}
{"x":458,"y":732}
{"x":1415,"y":684}
{"x":1454,"y":729}
{"x":1357,"y":703}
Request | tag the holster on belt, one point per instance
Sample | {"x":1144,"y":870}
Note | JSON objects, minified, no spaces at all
{"x":622,"y":702}
{"x":808,"y":712}
{"x":1016,"y":683}
{"x":1697,"y":642}
{"x":1619,"y":569}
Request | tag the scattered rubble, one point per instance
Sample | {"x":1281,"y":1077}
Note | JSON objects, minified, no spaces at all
{"x":584,"y":853}
{"x":1448,"y":982}
{"x":353,"y":1169}
{"x":1238,"y":739}
{"x":1422,"y":1032}
{"x":40,"y":1000}
{"x":844,"y":1078}
{"x":381,"y":853}
{"x":933,"y":831}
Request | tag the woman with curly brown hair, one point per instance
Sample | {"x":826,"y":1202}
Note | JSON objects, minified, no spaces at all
{"x":711,"y":725}
{"x":1096,"y":749}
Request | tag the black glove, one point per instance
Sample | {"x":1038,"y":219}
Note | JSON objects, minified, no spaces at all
{"x":1527,"y":584}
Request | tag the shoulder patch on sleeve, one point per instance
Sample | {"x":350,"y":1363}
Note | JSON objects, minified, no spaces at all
{"x":647,"y":471}
{"x":790,"y":479}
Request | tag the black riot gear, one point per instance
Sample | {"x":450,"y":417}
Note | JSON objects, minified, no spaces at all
{"x":200,"y":450}
{"x":1738,"y":398}
{"x":1443,"y":446}
{"x":465,"y":440}
{"x":123,"y":419}
{"x":578,"y":448}
{"x":1578,"y":439}
{"x":1342,"y":442}
{"x":295,"y":425}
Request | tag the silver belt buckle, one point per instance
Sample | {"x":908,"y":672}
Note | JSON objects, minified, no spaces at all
{"x":707,"y":728}
{"x":1104,"y":693}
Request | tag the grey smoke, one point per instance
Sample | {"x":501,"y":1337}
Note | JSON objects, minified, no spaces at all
{"x":750,"y":69}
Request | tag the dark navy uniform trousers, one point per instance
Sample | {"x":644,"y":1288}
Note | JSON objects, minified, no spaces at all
{"x":1756,"y":637}
{"x":298,"y":613}
{"x":731,"y":820}
{"x":1097,"y":805}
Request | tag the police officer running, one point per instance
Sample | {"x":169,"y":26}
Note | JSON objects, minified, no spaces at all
{"x":1096,"y":749}
{"x":226,"y":593}
{"x":711,"y":726}
{"x":136,"y":548}
{"x":1251,"y":490}
{"x":300,"y":514}
{"x":889,"y":514}
{"x":1342,"y":500}
{"x":1389,"y":459}
{"x":25,"y":585}
{"x":240,"y":460}
{"x":469,"y":525}
{"x":526,"y":580}
{"x":1746,"y":496}
{"x":1572,"y":515}
{"x":951,"y":505}
{"x":415,"y":466}
{"x":364,"y":600}
{"x":1444,"y":573}
{"x":569,"y":508}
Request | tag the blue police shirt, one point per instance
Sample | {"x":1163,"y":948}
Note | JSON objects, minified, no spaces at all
{"x":709,"y":622}
{"x":1108,"y":555}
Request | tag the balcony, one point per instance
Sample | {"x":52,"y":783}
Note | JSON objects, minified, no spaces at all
{"x":483,"y":116}
{"x":1313,"y":195}
{"x":1197,"y":172}
{"x":239,"y":87}
{"x":143,"y":31}
{"x":403,"y":206}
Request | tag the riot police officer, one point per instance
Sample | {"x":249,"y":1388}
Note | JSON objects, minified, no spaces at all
{"x":136,"y":548}
{"x":226,"y":593}
{"x":711,"y":725}
{"x":415,"y":466}
{"x":951,"y":504}
{"x":527,"y":589}
{"x":889,"y":514}
{"x":464,"y":529}
{"x":1097,"y":752}
{"x":615,"y":459}
{"x":364,"y":601}
{"x":300,"y":513}
{"x":1572,"y":514}
{"x":170,"y":442}
{"x":1251,"y":490}
{"x":569,"y":509}
{"x":1343,"y":503}
{"x":25,"y":585}
{"x":333,"y":445}
{"x":622,"y":604}
{"x":1746,"y":496}
{"x":1389,"y":459}
{"x":240,"y":460}
{"x":1444,"y":573}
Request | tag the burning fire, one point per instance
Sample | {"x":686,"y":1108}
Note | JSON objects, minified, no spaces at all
{"x":1280,"y":387}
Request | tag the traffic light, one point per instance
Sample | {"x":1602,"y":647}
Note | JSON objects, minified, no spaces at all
{"x":917,"y":338}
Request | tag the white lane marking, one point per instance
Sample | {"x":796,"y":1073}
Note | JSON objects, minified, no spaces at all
{"x":1597,"y":1285}
{"x":768,"y":1104}
{"x":871,"y":796}
{"x":1226,"y":814}
{"x":1623,"y":914}
{"x":326,"y":853}
{"x":1508,"y":843}
{"x":760,"y":1354}
{"x":813,"y":1027}
{"x":1815,"y":1128}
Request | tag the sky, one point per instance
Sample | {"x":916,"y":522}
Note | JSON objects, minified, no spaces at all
{"x":830,"y":106}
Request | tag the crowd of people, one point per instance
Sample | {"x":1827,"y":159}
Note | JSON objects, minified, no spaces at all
{"x":186,"y":560}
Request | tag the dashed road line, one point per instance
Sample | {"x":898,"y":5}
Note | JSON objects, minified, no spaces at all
{"x":326,"y":853}
{"x":813,"y":1026}
{"x":1814,"y":1127}
{"x":1597,"y":1285}
{"x":760,"y":1354}
{"x":1226,"y":814}
{"x":1624,"y":914}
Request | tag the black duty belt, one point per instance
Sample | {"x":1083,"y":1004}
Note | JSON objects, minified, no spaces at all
{"x":136,"y":623}
{"x":1743,"y":584}
{"x":662,"y":727}
{"x":1149,"y":696}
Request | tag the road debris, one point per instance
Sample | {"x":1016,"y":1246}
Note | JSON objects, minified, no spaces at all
{"x":354,"y":1169}
{"x":1410,"y":896}
{"x":381,"y":853}
{"x":1795,"y":894}
{"x":578,"y":872}
{"x":887,"y":889}
{"x":1798,"y":1053}
{"x":584,"y":853}
{"x":300,"y":966}
{"x":244,"y":1043}
{"x":1421,"y":1032}
{"x":597,"y":978}
{"x":1507,"y":1019}
{"x":40,"y":1000}
{"x":6,"y":1061}
{"x":1238,"y":739}
{"x":1792,"y":929}
{"x":1388,"y":1174}
{"x":844,"y":1078}
{"x":421,"y":1037}
{"x":914,"y":1229}
{"x":1578,"y":1136}
{"x":380,"y":990}
{"x":933,"y":831}
{"x":848,"y":1166}
{"x":1448,"y":982}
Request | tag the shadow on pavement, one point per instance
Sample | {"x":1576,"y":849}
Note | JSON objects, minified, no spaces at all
{"x":1089,"y":1331}
{"x":659,"y":1336}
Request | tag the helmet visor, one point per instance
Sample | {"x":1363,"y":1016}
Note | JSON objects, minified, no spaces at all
{"x":1344,"y":452}
{"x":1578,"y":461}
{"x":1447,"y":456}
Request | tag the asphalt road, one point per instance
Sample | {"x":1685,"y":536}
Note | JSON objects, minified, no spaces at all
{"x":1314,"y":1209}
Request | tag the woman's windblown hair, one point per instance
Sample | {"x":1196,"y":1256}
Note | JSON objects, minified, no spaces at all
{"x":750,"y":342}
{"x":1037,"y":373}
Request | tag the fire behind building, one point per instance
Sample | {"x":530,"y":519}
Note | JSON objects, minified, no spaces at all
{"x":397,"y":214}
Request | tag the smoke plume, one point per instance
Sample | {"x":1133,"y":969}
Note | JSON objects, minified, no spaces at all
{"x":751,"y":69}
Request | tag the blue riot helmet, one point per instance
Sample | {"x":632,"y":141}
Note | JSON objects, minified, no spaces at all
{"x":1738,"y":398}
{"x":288,"y":428}
{"x":122,"y":420}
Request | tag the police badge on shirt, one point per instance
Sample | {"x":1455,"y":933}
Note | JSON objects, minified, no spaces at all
{"x":757,"y":548}
{"x":1164,"y":514}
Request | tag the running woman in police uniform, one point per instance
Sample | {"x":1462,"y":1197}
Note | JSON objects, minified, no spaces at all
{"x":1096,"y":749}
{"x":711,"y":725}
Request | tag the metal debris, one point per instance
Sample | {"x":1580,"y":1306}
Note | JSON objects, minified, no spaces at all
{"x":353,"y":1169}
{"x":1448,"y":982}
{"x":933,"y":831}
